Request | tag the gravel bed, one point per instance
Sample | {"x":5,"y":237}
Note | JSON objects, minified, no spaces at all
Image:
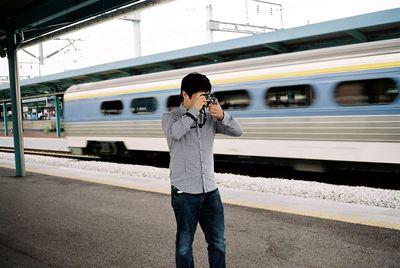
{"x":313,"y":190}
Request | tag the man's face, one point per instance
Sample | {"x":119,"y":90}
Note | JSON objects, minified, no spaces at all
{"x":188,"y":102}
{"x":195,"y":95}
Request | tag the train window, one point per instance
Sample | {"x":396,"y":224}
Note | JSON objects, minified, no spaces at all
{"x":143,"y":105}
{"x":364,"y":92}
{"x":111,"y":107}
{"x":174,"y":102}
{"x":233,"y":99}
{"x":289,"y":96}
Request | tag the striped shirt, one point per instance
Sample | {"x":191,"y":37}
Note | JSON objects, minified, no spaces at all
{"x":191,"y":147}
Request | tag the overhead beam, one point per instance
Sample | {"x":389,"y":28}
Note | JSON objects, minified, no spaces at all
{"x":58,"y":9}
{"x":95,"y":77}
{"x":276,"y":47}
{"x":68,"y":80}
{"x":124,"y":72}
{"x":214,"y":57}
{"x":166,"y":65}
{"x":132,"y":71}
{"x":357,"y":35}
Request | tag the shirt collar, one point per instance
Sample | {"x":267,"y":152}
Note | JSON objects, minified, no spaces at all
{"x":182,"y":108}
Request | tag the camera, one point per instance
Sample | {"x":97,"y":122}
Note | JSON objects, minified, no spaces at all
{"x":210,"y":98}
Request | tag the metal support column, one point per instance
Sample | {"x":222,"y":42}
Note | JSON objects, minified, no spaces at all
{"x":137,"y":38}
{"x":5,"y":119}
{"x":210,"y":34}
{"x":16,"y":105}
{"x":58,"y":125}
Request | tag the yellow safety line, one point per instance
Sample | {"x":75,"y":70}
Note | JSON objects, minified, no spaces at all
{"x":319,"y":214}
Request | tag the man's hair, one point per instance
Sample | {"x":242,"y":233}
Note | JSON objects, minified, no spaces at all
{"x":195,"y":82}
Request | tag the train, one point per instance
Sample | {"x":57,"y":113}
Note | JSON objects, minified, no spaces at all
{"x":337,"y":104}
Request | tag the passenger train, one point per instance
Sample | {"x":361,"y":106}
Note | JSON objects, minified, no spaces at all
{"x":330,"y":104}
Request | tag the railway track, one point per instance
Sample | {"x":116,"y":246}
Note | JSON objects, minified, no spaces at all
{"x":51,"y":153}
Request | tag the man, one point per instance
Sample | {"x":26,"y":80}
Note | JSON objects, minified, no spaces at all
{"x":190,"y":130}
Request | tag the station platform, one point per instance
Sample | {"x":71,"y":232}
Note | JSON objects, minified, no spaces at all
{"x":35,"y":134}
{"x":64,"y":218}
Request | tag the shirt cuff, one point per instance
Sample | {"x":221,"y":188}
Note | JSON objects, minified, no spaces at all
{"x":226,"y":119}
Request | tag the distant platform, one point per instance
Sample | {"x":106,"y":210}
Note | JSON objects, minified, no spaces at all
{"x":38,"y":140}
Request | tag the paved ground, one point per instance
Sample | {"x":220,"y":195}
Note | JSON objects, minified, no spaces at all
{"x":47,"y":221}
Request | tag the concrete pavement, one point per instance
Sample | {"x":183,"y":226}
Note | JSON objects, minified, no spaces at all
{"x":49,"y":221}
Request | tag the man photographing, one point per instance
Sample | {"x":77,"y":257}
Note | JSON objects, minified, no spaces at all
{"x":190,"y":131}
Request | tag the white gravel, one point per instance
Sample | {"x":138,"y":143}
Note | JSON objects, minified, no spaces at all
{"x":306,"y":189}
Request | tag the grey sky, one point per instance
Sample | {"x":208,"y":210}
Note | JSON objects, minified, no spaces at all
{"x":181,"y":24}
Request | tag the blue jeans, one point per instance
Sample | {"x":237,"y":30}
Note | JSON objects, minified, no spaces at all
{"x":191,"y":209}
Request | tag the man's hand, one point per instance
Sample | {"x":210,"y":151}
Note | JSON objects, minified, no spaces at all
{"x":216,"y":110}
{"x":198,"y":101}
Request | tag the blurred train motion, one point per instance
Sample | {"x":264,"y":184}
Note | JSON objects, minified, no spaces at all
{"x":338,"y":104}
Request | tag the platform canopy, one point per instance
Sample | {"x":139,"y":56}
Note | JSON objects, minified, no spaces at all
{"x":36,"y":20}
